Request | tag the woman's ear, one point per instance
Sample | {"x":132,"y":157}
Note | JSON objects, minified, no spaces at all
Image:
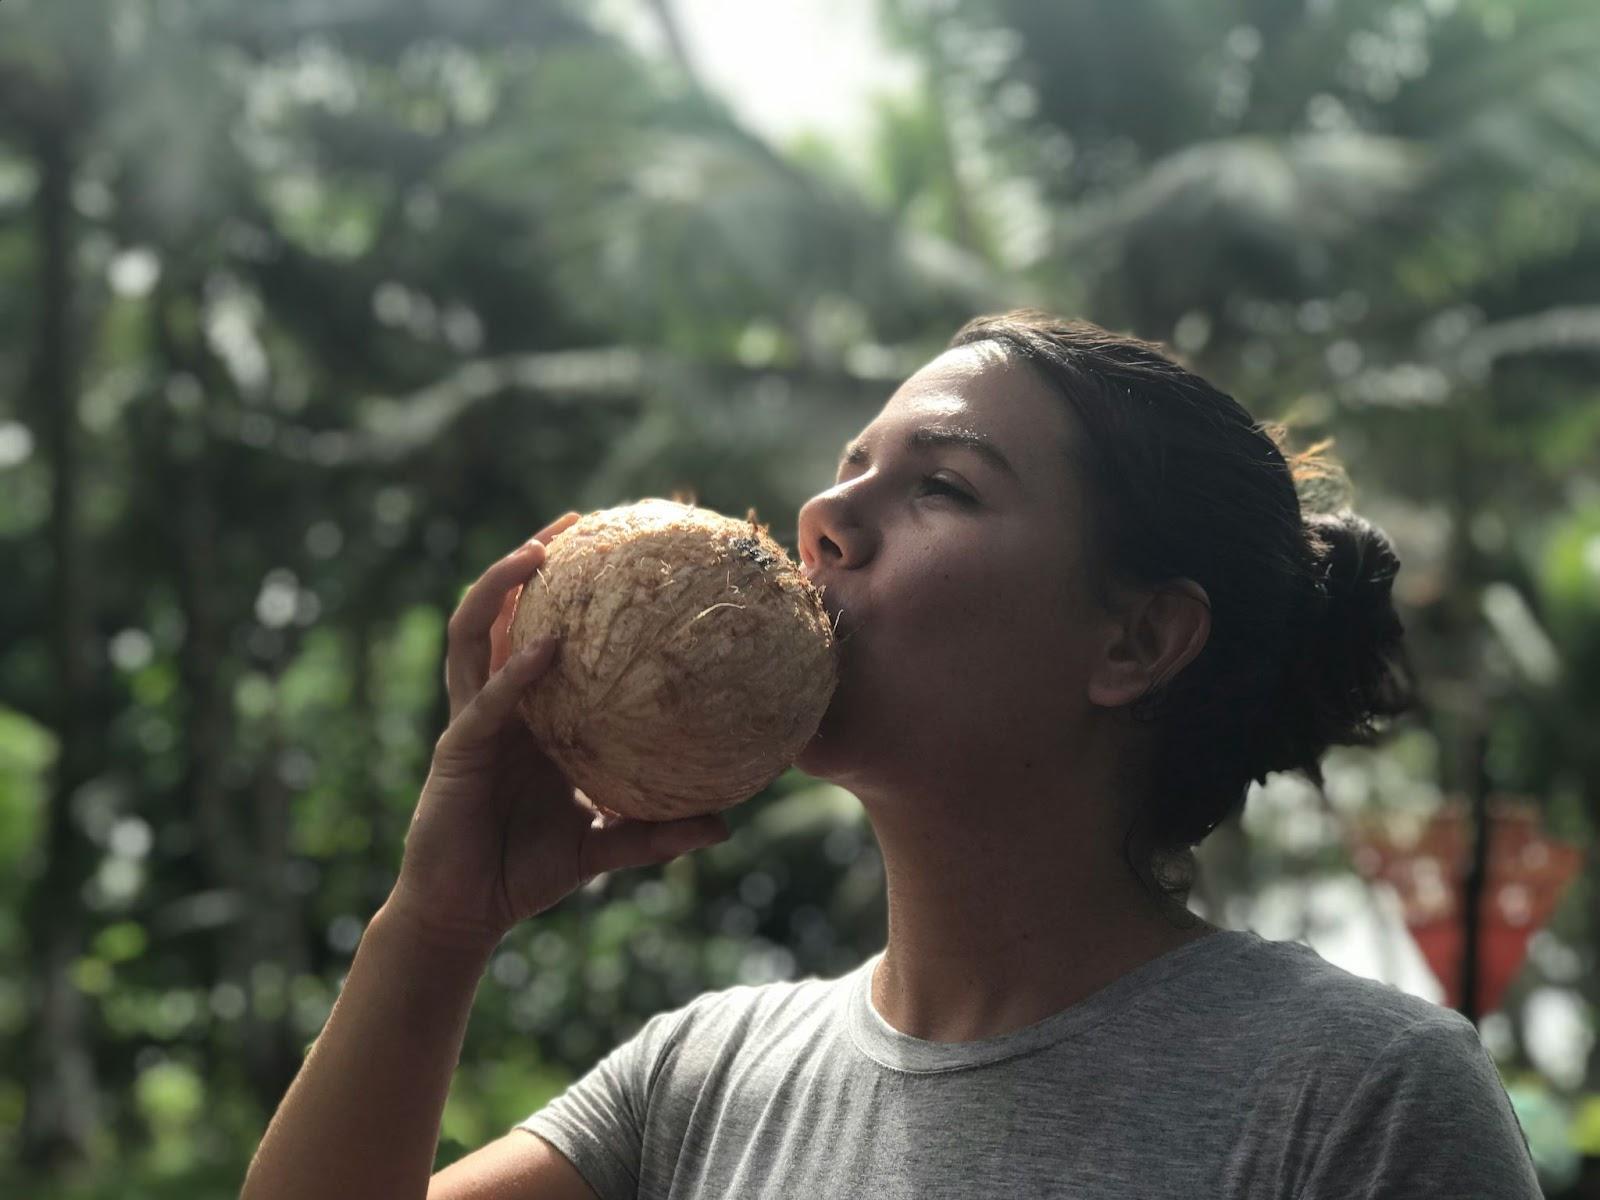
{"x":1158,"y":634}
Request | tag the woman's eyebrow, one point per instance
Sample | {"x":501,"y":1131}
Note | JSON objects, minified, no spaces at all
{"x":941,"y":435}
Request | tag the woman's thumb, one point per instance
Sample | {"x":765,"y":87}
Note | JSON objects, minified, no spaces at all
{"x":496,"y":702}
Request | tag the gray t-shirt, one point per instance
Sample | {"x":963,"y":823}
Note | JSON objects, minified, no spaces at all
{"x":1232,"y":1066}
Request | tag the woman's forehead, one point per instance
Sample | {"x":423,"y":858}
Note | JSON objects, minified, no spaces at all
{"x":981,"y":387}
{"x":980,"y":393}
{"x":964,"y":365}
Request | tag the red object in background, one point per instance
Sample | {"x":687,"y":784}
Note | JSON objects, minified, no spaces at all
{"x":1526,"y":874}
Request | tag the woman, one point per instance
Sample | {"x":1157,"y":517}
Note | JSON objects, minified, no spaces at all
{"x":1081,"y":610}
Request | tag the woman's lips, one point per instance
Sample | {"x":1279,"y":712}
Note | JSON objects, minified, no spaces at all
{"x":836,"y":605}
{"x":836,"y":609}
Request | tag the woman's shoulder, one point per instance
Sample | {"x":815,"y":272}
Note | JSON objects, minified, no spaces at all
{"x":1388,"y":1092}
{"x":1317,"y":1008}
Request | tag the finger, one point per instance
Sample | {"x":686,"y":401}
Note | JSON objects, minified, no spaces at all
{"x":467,"y":650}
{"x":496,"y":702}
{"x":500,"y":631}
{"x":500,"y":634}
{"x":468,"y":659}
{"x":631,"y":843}
{"x":560,"y":525}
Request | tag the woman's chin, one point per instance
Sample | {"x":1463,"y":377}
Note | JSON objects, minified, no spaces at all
{"x":814,"y":758}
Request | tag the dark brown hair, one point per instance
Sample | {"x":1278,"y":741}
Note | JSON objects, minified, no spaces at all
{"x":1306,"y":650}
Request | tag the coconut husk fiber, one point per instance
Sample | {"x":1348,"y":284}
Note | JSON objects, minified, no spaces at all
{"x":695,"y":660}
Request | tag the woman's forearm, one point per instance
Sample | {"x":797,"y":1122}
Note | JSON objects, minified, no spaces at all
{"x":362,"y":1116}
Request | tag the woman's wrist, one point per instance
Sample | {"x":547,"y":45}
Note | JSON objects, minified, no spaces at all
{"x":420,"y":936}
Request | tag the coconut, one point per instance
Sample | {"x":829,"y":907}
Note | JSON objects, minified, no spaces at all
{"x":695,"y":660}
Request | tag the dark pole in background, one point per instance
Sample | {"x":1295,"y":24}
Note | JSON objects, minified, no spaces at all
{"x":1477,"y":873}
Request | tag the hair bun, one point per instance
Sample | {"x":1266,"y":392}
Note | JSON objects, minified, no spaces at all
{"x":1350,"y":669}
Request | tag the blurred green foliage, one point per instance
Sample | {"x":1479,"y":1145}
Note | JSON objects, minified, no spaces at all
{"x":313,"y":310}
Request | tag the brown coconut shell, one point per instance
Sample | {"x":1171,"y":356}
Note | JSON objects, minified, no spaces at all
{"x":695,"y":663}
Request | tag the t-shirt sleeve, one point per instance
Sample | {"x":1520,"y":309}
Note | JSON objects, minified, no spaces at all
{"x":598,"y":1122}
{"x":1430,"y":1118}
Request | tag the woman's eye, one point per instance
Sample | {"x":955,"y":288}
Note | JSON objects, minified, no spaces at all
{"x":949,"y":489}
{"x":932,"y":483}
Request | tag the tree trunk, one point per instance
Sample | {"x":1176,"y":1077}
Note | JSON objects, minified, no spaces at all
{"x":241,"y":838}
{"x":184,"y":482}
{"x":275,"y":935}
{"x":672,"y":32}
{"x":60,"y":1116}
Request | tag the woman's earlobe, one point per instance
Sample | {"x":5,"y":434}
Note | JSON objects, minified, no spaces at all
{"x":1115,"y":691}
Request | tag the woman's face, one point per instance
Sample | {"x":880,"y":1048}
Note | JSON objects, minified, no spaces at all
{"x":954,"y":578}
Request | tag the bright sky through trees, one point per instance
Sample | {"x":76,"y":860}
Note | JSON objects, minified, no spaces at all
{"x":788,"y":66}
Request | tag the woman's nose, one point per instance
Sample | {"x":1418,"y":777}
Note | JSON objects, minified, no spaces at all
{"x":828,"y":534}
{"x":820,"y":555}
{"x":816,"y":545}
